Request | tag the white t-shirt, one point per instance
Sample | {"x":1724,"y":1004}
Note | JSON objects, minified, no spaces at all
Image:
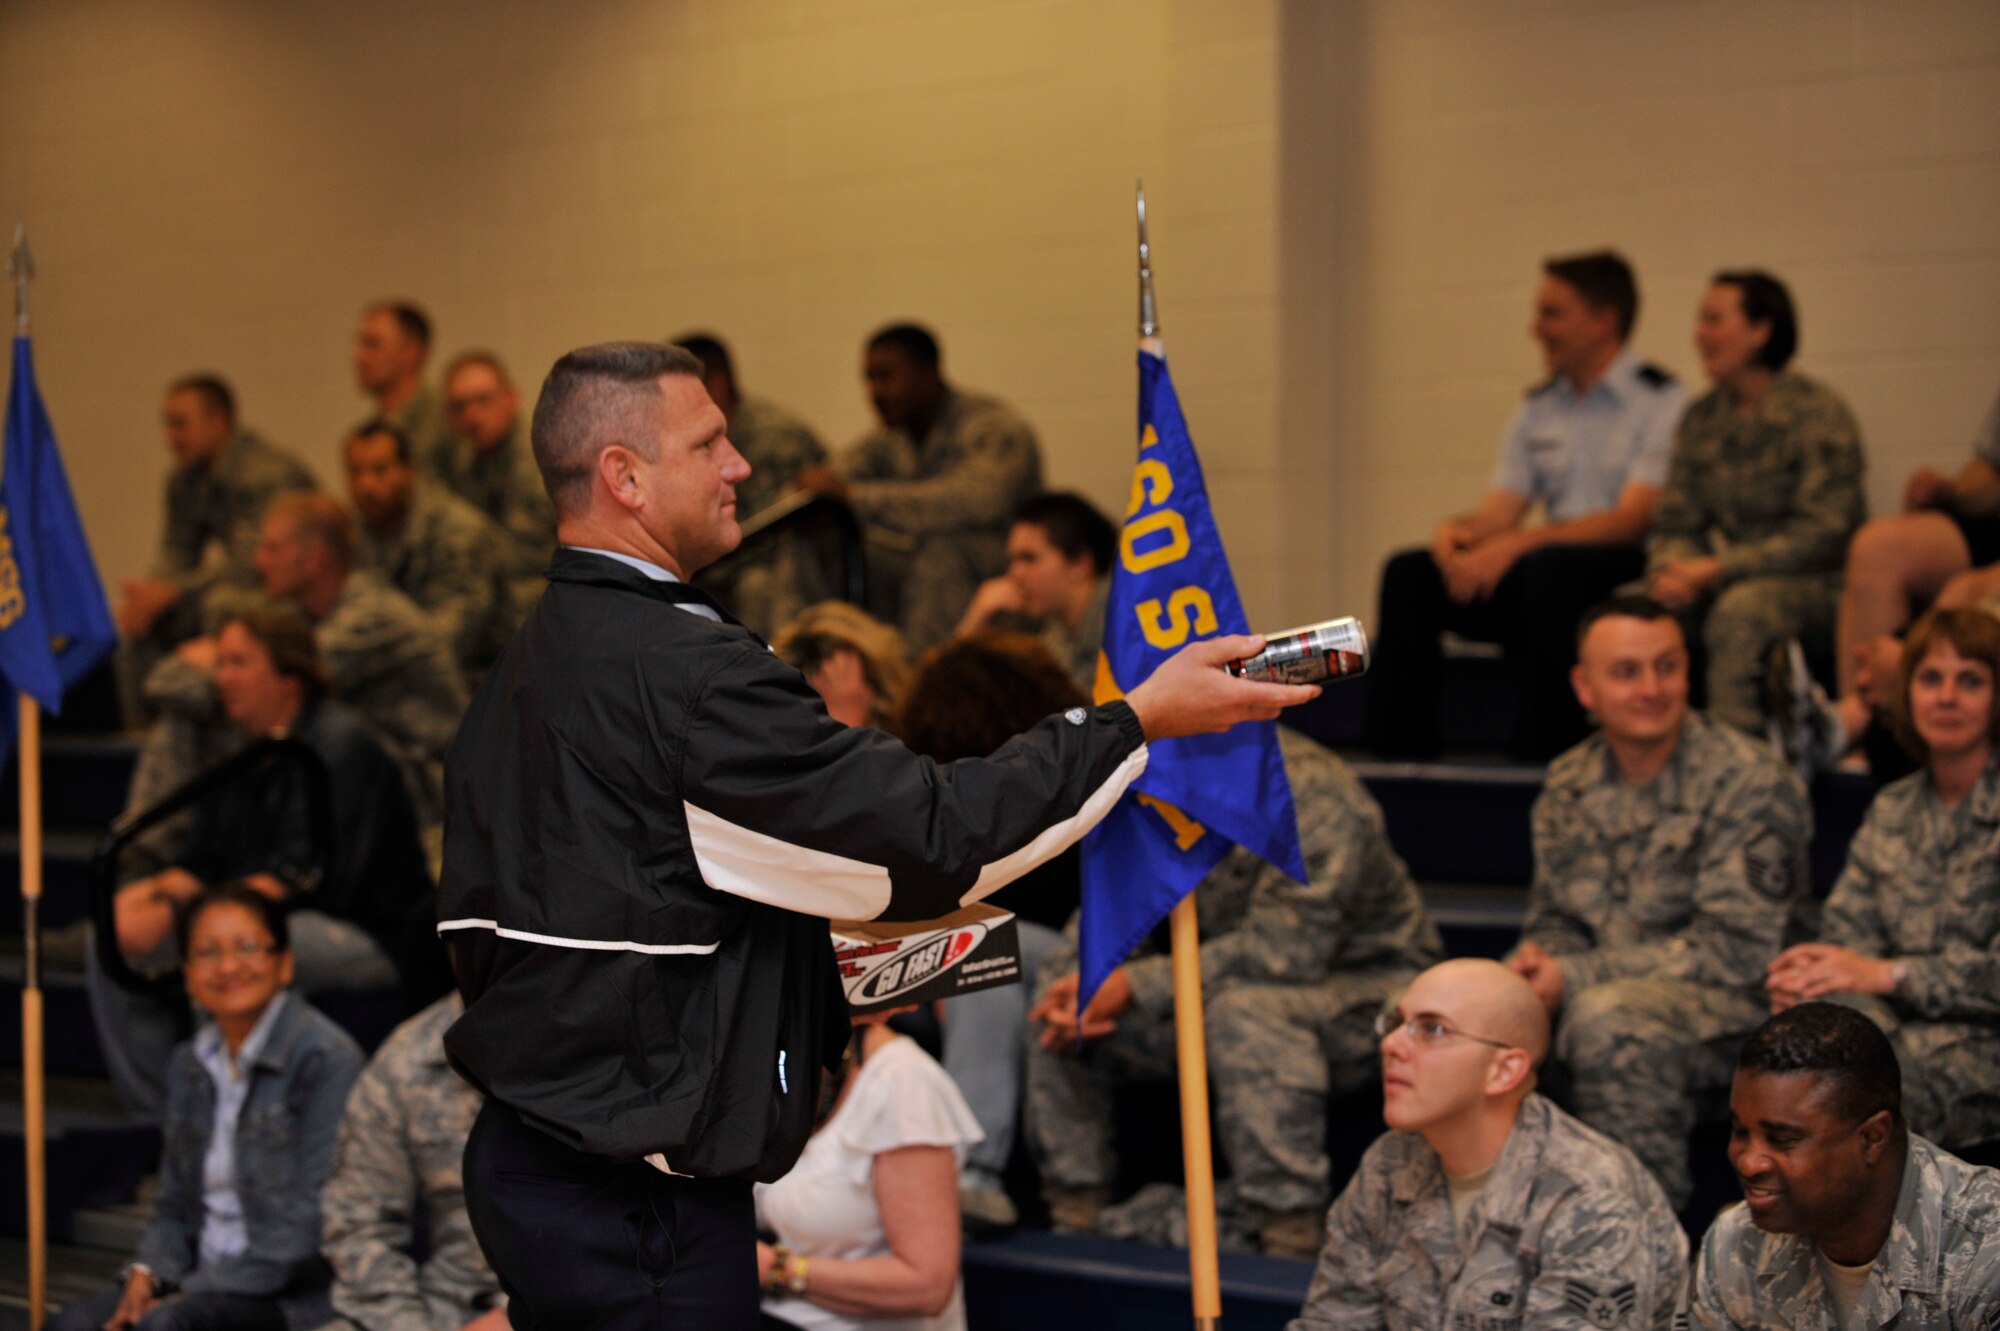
{"x":826,"y":1206}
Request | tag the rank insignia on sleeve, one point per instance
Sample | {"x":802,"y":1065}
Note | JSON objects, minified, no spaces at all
{"x":1602,"y":1310}
{"x":1766,"y":875}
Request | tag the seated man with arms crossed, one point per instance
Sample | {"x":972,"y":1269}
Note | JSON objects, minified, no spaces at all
{"x":1848,"y":1218}
{"x":1486,"y":1206}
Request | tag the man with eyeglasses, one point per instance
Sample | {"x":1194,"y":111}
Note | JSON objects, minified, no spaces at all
{"x":1486,"y":1207}
{"x":1670,"y":867}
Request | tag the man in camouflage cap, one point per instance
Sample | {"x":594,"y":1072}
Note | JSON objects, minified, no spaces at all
{"x":1294,"y":976}
{"x":1486,"y":1207}
{"x":1848,"y":1218}
{"x":390,"y":348}
{"x":402,"y":1143}
{"x":935,"y":487}
{"x":492,"y":468}
{"x":1670,"y":859}
{"x":223,"y":477}
{"x":429,"y":544}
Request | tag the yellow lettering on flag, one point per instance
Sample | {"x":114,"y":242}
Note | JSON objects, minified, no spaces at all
{"x":1186,"y":830}
{"x":1148,"y":439}
{"x":13,"y":600}
{"x":1152,"y":483}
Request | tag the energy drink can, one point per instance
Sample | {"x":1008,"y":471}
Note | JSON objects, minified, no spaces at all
{"x":1335,"y":649}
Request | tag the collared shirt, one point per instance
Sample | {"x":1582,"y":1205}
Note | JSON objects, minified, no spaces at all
{"x":1569,"y":1232}
{"x":651,"y":570}
{"x":222,"y":1232}
{"x":1922,"y":887}
{"x":1576,"y":452}
{"x":1939,"y":1269}
{"x":1697,"y":876}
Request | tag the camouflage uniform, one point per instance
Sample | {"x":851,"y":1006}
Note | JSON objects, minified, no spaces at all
{"x":1078,"y":651}
{"x":423,"y":422}
{"x":1922,"y":887}
{"x":1776,"y":498}
{"x":937,"y":511}
{"x":447,"y":558}
{"x":1569,"y":1232}
{"x":214,"y":516}
{"x":779,"y":575}
{"x":1664,"y":904}
{"x":401,"y":1144}
{"x":505,"y":484}
{"x":1293,"y":977}
{"x":384,"y":660}
{"x":389,"y":664}
{"x":1939,"y":1270}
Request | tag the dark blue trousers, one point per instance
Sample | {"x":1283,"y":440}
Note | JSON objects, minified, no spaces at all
{"x":582,"y":1240}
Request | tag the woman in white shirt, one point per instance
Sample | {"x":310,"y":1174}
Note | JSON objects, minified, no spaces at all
{"x":867,"y":1221}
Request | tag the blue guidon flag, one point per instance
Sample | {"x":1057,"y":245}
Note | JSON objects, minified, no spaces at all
{"x":54,"y":622}
{"x":1201,"y":794}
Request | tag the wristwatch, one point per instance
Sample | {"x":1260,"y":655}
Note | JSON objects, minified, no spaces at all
{"x":1899,"y":975}
{"x":788,"y":1273}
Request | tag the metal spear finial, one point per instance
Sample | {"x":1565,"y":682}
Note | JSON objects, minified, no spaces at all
{"x":21,"y":267}
{"x":1149,"y":323}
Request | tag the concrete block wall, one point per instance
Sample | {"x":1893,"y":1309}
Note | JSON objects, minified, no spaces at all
{"x":223,"y":184}
{"x":1850,"y":146}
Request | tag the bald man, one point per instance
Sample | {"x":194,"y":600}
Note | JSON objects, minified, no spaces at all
{"x":1485,"y":1206}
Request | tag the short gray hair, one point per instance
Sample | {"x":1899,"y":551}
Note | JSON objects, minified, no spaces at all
{"x":593,"y":397}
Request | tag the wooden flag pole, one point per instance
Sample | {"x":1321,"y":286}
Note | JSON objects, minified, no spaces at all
{"x":32,"y":1091}
{"x":1197,"y":1155}
{"x":1190,"y":1029}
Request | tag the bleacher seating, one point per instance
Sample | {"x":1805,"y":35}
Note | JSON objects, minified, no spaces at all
{"x":1462,"y":828}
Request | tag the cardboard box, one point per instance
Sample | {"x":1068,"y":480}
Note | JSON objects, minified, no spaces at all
{"x":898,"y":965}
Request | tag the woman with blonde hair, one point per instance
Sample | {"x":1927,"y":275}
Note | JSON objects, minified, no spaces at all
{"x":857,"y":663}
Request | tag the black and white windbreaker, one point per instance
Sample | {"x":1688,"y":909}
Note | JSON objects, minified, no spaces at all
{"x":649,"y":818}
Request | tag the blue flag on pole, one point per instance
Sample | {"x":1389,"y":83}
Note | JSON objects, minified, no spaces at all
{"x":54,"y":622}
{"x":1201,"y":794}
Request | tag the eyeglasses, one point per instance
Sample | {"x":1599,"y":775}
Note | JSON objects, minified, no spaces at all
{"x":1425,"y":1028}
{"x":244,"y":949}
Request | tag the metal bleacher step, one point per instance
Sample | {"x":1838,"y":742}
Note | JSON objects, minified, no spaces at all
{"x":69,"y":1033}
{"x":1023,"y":1278}
{"x":1457,"y":822}
{"x":66,"y":860}
{"x":74,"y":1271}
{"x":96,"y":1154}
{"x":114,"y":1228}
{"x":1476,"y":919}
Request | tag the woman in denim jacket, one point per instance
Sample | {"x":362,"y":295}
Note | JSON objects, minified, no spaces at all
{"x":254,"y":1107}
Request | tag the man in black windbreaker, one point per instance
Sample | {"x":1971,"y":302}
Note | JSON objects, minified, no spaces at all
{"x":649,"y":817}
